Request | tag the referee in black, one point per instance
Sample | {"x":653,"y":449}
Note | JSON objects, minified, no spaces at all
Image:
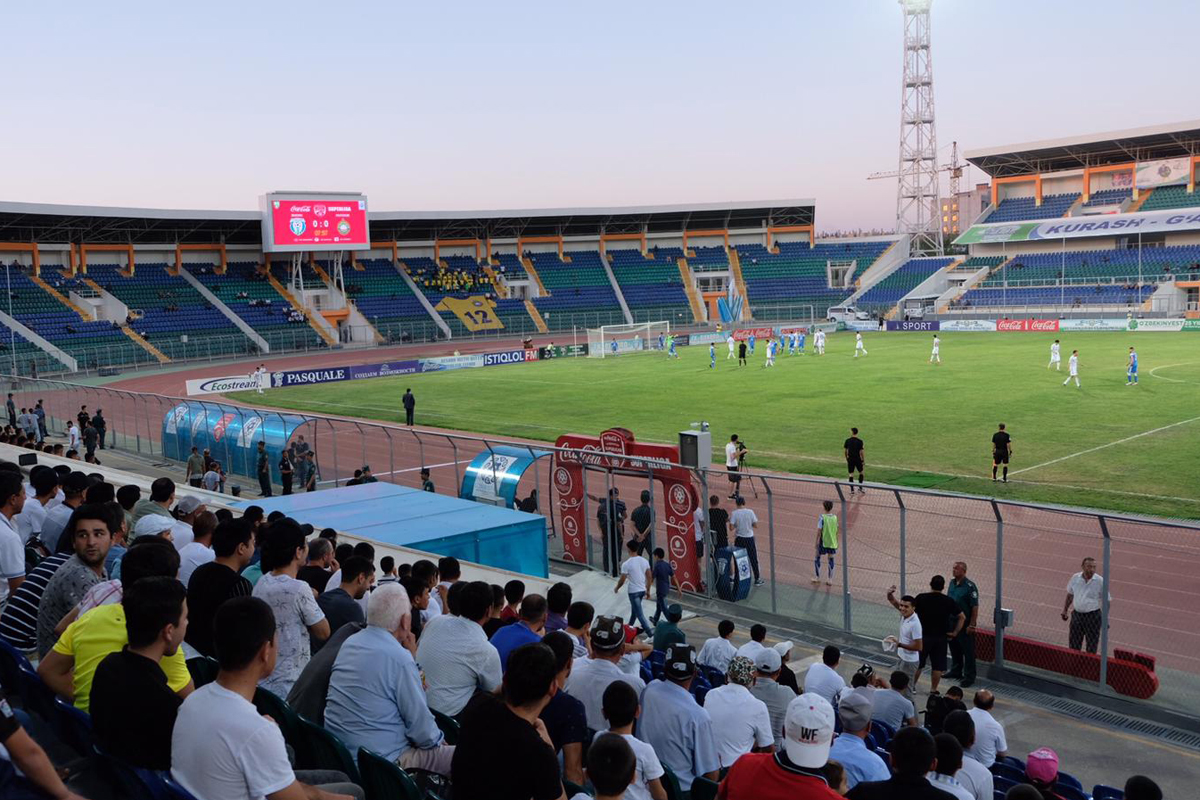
{"x":1001,"y":451}
{"x":742,"y":353}
{"x":853,"y":448}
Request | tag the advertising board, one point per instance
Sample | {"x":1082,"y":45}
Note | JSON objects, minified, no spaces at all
{"x":442,"y":363}
{"x":229,"y":383}
{"x":303,"y":377}
{"x":969,"y":325}
{"x":914,"y":325}
{"x":758,"y":333}
{"x":1155,"y":325}
{"x":1027,"y":325}
{"x":384,"y":370}
{"x":510,"y":357}
{"x":1093,"y":324}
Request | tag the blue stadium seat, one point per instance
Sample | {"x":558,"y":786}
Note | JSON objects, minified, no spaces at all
{"x":1102,"y":792}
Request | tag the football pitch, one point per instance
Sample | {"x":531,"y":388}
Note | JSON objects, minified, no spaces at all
{"x":1105,"y":445}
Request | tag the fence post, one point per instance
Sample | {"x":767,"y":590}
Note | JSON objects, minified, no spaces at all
{"x":903,"y":542}
{"x":1105,"y":588}
{"x":847,"y":622}
{"x":771,"y":539}
{"x":653,"y":518}
{"x":583,"y":472}
{"x":996,"y":615}
{"x":710,"y":574}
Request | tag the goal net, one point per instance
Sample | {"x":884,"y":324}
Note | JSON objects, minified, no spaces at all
{"x":627,"y":338}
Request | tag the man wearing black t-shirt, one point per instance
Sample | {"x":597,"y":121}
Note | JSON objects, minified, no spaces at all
{"x":642,"y":517}
{"x":941,"y":620}
{"x":853,"y":448}
{"x":718,"y":522}
{"x":504,"y":751}
{"x":217,"y":581}
{"x":1001,"y":451}
{"x":742,"y":353}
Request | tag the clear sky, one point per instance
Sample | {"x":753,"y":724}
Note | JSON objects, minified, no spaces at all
{"x":463,"y":104}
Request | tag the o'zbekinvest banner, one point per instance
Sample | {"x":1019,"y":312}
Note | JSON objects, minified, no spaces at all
{"x":1080,"y":227}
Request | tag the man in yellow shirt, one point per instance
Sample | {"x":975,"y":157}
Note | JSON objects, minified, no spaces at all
{"x":71,"y":664}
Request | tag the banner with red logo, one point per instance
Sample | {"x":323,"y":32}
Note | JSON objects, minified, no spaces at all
{"x":1027,"y":325}
{"x":757,"y":333}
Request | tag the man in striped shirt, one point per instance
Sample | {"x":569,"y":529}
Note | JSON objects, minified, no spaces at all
{"x":18,"y":623}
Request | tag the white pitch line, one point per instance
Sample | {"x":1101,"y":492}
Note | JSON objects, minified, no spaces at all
{"x":1103,"y":446}
{"x":1154,"y":372}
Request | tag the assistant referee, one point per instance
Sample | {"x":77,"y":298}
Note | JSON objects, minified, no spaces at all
{"x":853,"y":448}
{"x":1001,"y":451}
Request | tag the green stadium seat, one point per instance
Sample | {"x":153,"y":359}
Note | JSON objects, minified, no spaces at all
{"x":383,"y":780}
{"x":326,"y":751}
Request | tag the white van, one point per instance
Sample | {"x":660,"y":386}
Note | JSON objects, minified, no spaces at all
{"x":845,"y":314}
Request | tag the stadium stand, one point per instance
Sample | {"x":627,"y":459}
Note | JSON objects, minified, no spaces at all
{"x":1108,"y":197}
{"x":1019,"y":209}
{"x":385,"y":299}
{"x":579,"y":290}
{"x":798,"y":274}
{"x":706,"y":259}
{"x":92,"y":343}
{"x":903,"y":280}
{"x":1073,"y":295}
{"x":1082,"y":266}
{"x":509,"y":266}
{"x":165,"y":307}
{"x":652,"y":287}
{"x":976,"y":262}
{"x":1168,"y":197}
{"x":247,"y":293}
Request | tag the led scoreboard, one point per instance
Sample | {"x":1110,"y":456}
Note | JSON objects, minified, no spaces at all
{"x":304,"y":221}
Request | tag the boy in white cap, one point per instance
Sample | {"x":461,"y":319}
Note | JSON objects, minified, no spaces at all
{"x":795,"y":773}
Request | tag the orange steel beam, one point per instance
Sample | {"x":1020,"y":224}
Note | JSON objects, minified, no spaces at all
{"x":1037,"y":185}
{"x":24,"y":247}
{"x":723,"y":233}
{"x":438,"y":244}
{"x":119,"y":248}
{"x":387,"y":246}
{"x":208,"y":248}
{"x":605,"y":238}
{"x":524,"y":240}
{"x":790,"y":229}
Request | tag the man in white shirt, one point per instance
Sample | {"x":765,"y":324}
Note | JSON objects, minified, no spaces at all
{"x":973,"y":776}
{"x":72,"y":435}
{"x":297,"y":614}
{"x":590,"y":677}
{"x":1055,"y":358}
{"x":718,"y":651}
{"x":744,"y":521}
{"x":732,"y":344}
{"x":752,"y":648}
{"x":220,"y":745}
{"x":1085,"y":591}
{"x":733,"y":453}
{"x":456,"y":656}
{"x":944,"y":775}
{"x":937,"y":346}
{"x":908,"y":643}
{"x":1073,"y":368}
{"x":44,"y":484}
{"x":822,"y":678}
{"x":187,"y":509}
{"x":990,"y":743}
{"x":636,"y":572}
{"x":199,"y":550}
{"x":741,"y":722}
{"x":859,"y":347}
{"x":12,"y":552}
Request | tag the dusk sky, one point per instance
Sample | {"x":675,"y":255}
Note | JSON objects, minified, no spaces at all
{"x":485,"y":105}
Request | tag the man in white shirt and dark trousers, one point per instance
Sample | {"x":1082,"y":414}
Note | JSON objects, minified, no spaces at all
{"x":908,"y":643}
{"x":744,"y":521}
{"x":590,"y":677}
{"x":636,"y":572}
{"x":1085,"y":591}
{"x":734,"y":453}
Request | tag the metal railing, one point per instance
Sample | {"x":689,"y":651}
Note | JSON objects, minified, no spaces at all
{"x":1020,"y":555}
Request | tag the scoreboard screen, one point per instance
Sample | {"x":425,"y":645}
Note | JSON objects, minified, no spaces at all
{"x":300,"y":221}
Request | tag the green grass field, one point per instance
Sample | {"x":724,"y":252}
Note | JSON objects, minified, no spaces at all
{"x":1107,"y":445}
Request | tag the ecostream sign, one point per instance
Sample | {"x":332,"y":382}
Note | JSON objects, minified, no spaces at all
{"x":229,"y":383}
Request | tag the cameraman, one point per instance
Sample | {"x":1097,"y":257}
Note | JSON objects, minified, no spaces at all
{"x":735,"y":455}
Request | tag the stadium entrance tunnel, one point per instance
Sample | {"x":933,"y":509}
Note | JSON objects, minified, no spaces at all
{"x":230,"y":433}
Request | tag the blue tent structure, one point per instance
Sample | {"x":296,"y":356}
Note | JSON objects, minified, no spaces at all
{"x":493,"y":475}
{"x":231,"y":433}
{"x":404,"y":517}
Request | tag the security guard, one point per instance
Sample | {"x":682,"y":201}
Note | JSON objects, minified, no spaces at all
{"x":963,"y":591}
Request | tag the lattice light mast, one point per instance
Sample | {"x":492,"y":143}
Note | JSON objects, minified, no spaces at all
{"x":918,"y":194}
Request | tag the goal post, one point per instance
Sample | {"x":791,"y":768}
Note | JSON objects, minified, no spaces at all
{"x":628,"y":338}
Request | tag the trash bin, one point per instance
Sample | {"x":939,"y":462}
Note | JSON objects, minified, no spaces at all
{"x":733,"y":573}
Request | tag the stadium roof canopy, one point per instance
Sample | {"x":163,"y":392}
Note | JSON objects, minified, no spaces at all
{"x":34,"y":222}
{"x":1116,"y":147}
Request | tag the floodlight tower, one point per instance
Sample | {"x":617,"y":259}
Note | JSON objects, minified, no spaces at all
{"x":918,"y":195}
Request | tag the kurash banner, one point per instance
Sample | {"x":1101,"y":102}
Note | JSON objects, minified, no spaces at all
{"x":1082,"y":227}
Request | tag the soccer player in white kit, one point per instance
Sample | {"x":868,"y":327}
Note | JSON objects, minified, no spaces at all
{"x":729,"y":341}
{"x":819,"y":342}
{"x":934,"y":357}
{"x":858,"y":345}
{"x":1055,"y":358}
{"x":770,"y":362}
{"x":1073,"y":368}
{"x":260,"y":376}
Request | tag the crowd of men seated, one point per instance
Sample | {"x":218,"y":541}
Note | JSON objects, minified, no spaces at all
{"x":477,"y":689}
{"x":450,"y":280}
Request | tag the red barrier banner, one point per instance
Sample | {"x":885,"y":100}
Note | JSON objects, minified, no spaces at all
{"x":757,"y":333}
{"x":1027,"y":325}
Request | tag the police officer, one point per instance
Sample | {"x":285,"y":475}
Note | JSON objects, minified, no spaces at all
{"x":963,"y":591}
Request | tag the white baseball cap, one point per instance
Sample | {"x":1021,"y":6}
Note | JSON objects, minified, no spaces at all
{"x":808,"y":731}
{"x":152,"y":525}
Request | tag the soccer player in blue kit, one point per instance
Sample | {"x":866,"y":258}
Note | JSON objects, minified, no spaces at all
{"x":712,"y":356}
{"x":1131,"y":371}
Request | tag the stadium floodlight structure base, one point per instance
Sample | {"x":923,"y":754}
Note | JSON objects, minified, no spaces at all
{"x":629,"y":338}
